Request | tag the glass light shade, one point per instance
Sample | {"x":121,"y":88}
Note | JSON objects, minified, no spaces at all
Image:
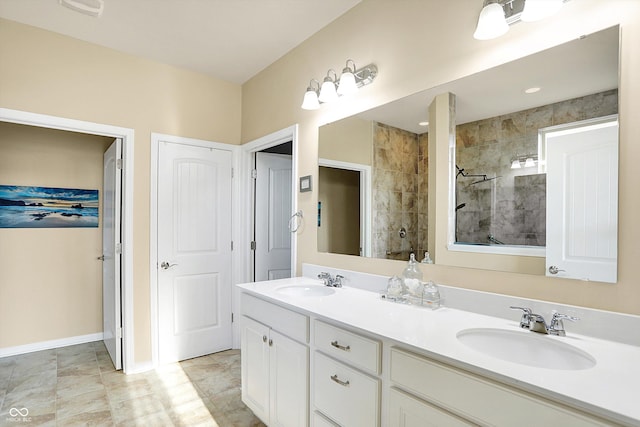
{"x":515,"y":164}
{"x":347,"y":84}
{"x":535,"y":10}
{"x":310,"y":101}
{"x":491,"y":23}
{"x":529,"y":163}
{"x":328,"y":91}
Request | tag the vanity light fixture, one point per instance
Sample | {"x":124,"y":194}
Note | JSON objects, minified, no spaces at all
{"x":496,"y":15}
{"x":87,"y":7}
{"x":529,"y":160}
{"x":331,"y":89}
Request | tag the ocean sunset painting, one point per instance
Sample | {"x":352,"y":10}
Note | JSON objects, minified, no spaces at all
{"x":45,"y":207}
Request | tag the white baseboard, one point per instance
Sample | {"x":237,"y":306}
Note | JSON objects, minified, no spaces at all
{"x":139,"y":368}
{"x":46,"y":345}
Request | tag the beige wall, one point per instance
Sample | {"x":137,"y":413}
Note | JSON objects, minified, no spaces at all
{"x":51,"y":285}
{"x":46,"y":73}
{"x":347,"y":141}
{"x":421,"y":44}
{"x":339,"y":192}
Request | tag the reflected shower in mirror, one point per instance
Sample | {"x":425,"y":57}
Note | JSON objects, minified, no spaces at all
{"x":500,"y":178}
{"x":500,"y":193}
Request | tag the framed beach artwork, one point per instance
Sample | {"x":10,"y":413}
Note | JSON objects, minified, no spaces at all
{"x":46,"y":207}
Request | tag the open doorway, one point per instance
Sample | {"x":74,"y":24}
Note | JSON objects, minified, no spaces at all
{"x":71,"y":335}
{"x":272,"y":209}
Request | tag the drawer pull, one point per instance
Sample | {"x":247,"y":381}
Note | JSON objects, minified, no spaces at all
{"x":340,"y":347}
{"x":335,"y":378}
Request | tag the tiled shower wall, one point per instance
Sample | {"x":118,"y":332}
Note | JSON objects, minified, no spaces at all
{"x":512,"y":207}
{"x":400,"y":179}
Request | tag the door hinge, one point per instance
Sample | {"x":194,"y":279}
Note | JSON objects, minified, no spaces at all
{"x":119,"y":164}
{"x":231,"y":317}
{"x":253,"y":245}
{"x":119,"y":248}
{"x":231,"y":172}
{"x":118,"y":333}
{"x":254,"y":173}
{"x":232,"y":245}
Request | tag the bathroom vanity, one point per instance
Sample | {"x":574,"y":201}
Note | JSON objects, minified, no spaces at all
{"x":320,"y":356}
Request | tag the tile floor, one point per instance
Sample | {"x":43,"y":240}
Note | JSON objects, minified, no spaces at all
{"x":78,"y":386}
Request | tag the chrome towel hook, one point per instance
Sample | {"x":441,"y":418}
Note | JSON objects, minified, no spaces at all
{"x":295,"y":221}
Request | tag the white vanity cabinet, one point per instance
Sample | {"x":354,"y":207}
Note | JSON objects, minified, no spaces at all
{"x":470,"y":397}
{"x":341,"y":390}
{"x":275,"y":367}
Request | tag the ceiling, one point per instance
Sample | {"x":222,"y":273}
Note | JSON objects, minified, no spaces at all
{"x":229,"y":39}
{"x":580,"y":67}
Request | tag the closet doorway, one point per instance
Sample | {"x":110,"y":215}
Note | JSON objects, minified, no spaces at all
{"x":123,"y":270}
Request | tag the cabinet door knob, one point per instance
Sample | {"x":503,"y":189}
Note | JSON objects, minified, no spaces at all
{"x":335,"y":379}
{"x":270,"y":342}
{"x":340,"y":347}
{"x":264,"y":338}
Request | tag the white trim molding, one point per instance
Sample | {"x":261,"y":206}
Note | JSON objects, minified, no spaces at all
{"x":47,"y":345}
{"x":245,"y":189}
{"x":127,"y":136}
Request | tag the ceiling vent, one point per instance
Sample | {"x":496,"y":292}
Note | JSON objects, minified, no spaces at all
{"x":86,"y":7}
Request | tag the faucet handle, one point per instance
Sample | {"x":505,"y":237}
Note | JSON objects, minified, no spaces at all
{"x":325,"y":277}
{"x":525,"y":320}
{"x":557,"y":327}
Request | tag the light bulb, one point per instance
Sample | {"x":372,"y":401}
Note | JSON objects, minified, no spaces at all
{"x":491,"y":23}
{"x":529,"y":163}
{"x":328,"y":91}
{"x":535,"y":10}
{"x":515,"y":164}
{"x":310,"y":101}
{"x":347,"y":85}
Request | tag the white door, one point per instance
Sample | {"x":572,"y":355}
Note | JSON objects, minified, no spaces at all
{"x":111,"y":252}
{"x":582,"y":232}
{"x":273,"y":208}
{"x":194,"y":251}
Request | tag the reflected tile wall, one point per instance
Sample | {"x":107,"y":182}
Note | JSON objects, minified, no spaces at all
{"x":399,"y":192}
{"x":512,"y":207}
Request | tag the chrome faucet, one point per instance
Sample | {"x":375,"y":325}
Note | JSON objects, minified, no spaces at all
{"x":536,"y":323}
{"x":329,"y":280}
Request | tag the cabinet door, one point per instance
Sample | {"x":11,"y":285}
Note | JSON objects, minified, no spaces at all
{"x":255,"y":367}
{"x":407,"y":411}
{"x":289,"y":377}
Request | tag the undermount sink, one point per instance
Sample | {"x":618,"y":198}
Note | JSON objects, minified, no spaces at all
{"x":306,"y":291}
{"x":526,"y":348}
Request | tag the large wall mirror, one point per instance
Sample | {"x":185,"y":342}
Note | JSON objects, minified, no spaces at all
{"x":373,"y":167}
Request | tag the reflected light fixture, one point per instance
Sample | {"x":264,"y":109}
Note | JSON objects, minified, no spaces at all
{"x":524,"y":161}
{"x":496,"y":15}
{"x":331,"y":89}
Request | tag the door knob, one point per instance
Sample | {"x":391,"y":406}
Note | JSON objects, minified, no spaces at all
{"x":165,"y":265}
{"x":554,"y":270}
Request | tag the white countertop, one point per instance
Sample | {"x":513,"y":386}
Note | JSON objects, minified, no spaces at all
{"x":611,"y":388}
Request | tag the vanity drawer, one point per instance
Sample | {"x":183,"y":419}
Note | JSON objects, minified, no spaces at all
{"x":476,"y":399}
{"x":345,"y":395}
{"x":359,"y":351}
{"x":320,"y":420}
{"x":292,"y":324}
